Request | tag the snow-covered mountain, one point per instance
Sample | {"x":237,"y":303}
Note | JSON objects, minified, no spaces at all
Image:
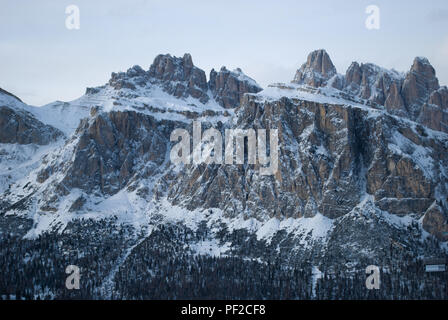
{"x":362,"y":180}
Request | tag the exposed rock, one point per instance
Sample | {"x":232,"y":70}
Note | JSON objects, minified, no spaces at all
{"x":353,"y":76}
{"x":228,"y":87}
{"x":110,"y":149}
{"x":434,"y":113}
{"x":440,"y":98}
{"x":373,"y":83}
{"x":317,"y":70}
{"x":347,"y":163}
{"x":415,"y":95}
{"x":394,"y":102}
{"x":19,"y":126}
{"x":326,"y":152}
{"x":129,"y":79}
{"x":180,"y":77}
{"x":420,"y":82}
{"x":404,"y":207}
{"x":435,"y":222}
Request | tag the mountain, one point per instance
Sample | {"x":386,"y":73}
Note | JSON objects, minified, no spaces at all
{"x":415,"y":95}
{"x":361,"y":180}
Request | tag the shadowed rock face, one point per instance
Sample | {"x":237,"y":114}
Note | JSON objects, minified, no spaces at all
{"x":354,"y":76}
{"x":18,"y":126}
{"x":228,"y":87}
{"x":317,"y":70}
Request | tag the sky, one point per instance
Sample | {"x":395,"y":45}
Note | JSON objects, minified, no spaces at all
{"x":42,"y":61}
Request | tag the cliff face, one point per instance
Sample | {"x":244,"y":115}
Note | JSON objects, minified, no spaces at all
{"x":330,"y":158}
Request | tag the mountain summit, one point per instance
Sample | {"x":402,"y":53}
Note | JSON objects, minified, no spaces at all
{"x":317,"y":70}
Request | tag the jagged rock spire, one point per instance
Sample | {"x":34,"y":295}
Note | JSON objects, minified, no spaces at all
{"x":317,"y":70}
{"x":419,"y":83}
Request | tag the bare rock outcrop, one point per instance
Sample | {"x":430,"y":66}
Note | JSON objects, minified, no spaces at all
{"x":419,"y":83}
{"x":415,"y":95}
{"x":317,"y":70}
{"x":434,"y":113}
{"x":20,"y":126}
{"x":180,"y":77}
{"x":228,"y":87}
{"x":129,"y":79}
{"x":111,"y":148}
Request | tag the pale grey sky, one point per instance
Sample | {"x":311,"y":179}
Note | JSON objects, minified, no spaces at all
{"x":42,"y":61}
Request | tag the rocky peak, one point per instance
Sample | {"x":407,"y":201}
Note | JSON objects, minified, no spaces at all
{"x":135,"y":71}
{"x":371,"y":82}
{"x":414,"y":95}
{"x":317,"y":70}
{"x":419,"y":83}
{"x":179,"y":76}
{"x":169,"y":68}
{"x":188,"y":63}
{"x":129,"y":79}
{"x":19,"y":126}
{"x":228,"y":87}
{"x":353,"y":74}
{"x":423,"y":66}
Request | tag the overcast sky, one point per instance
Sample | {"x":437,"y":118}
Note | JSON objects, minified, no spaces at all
{"x":42,"y":61}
